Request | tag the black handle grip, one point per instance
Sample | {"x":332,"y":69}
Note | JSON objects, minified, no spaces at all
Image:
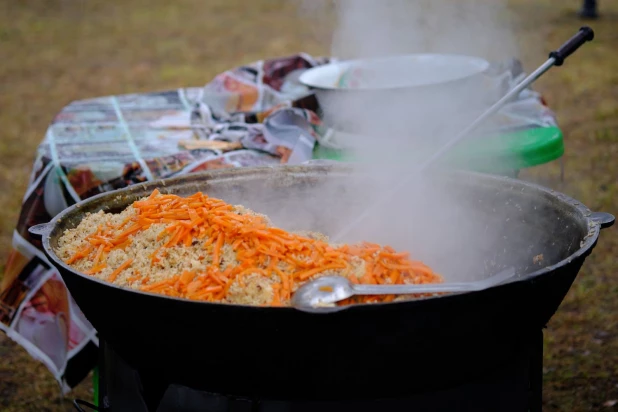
{"x":583,"y":35}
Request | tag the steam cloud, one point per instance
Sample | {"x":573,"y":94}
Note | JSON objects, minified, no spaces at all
{"x":436,"y":224}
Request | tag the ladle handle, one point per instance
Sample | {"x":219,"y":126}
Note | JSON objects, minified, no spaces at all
{"x":583,"y":35}
{"x":435,"y":287}
{"x":414,"y":289}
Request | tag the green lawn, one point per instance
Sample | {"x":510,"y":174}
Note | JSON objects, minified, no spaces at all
{"x":56,"y":51}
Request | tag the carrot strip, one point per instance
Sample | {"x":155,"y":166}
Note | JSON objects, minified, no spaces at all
{"x":308,"y":273}
{"x":120,"y":268}
{"x":285,"y":283}
{"x":134,"y":278}
{"x":98,"y":255}
{"x":122,"y":245}
{"x":187,"y":277}
{"x":222,"y":222}
{"x":209,"y":242}
{"x":206,"y":291}
{"x":391,"y":255}
{"x":96,"y":269}
{"x":395,"y":276}
{"x":188,"y":239}
{"x":173,"y":240}
{"x":276,"y":295}
{"x":129,"y":231}
{"x":194,"y":286}
{"x":409,"y":267}
{"x":154,"y":285}
{"x":216,"y":253}
{"x":80,"y":254}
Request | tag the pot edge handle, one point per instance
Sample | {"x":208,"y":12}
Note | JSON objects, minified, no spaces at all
{"x":41,"y":230}
{"x":603,"y":219}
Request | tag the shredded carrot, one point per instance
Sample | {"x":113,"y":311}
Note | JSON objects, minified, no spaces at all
{"x":98,"y":255}
{"x":96,"y":269}
{"x":308,"y":273}
{"x":392,"y":255}
{"x":216,"y":253}
{"x":155,"y":285}
{"x":80,"y":254}
{"x":133,"y":278}
{"x":130,"y":230}
{"x":187,"y":277}
{"x":120,"y":268}
{"x":276,"y":298}
{"x":188,"y":239}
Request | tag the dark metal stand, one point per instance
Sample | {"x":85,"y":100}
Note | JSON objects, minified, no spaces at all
{"x":536,"y":375}
{"x":122,"y":388}
{"x":589,"y":9}
{"x":153,"y":390}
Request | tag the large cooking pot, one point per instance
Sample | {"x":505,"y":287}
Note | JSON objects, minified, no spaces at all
{"x":364,"y":350}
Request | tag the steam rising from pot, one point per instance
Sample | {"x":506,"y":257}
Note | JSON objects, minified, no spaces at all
{"x":398,"y":129}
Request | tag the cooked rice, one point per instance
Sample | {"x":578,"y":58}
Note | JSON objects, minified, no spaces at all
{"x":263,"y":285}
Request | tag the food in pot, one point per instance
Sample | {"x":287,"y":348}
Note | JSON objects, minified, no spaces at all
{"x":202,"y":248}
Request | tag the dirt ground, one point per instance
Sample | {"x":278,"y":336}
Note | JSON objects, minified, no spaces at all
{"x":56,"y":51}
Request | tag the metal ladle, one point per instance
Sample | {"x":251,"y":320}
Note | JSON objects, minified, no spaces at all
{"x":327,"y":290}
{"x":556,"y":58}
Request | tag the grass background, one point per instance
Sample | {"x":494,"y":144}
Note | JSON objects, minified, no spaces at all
{"x":56,"y":51}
